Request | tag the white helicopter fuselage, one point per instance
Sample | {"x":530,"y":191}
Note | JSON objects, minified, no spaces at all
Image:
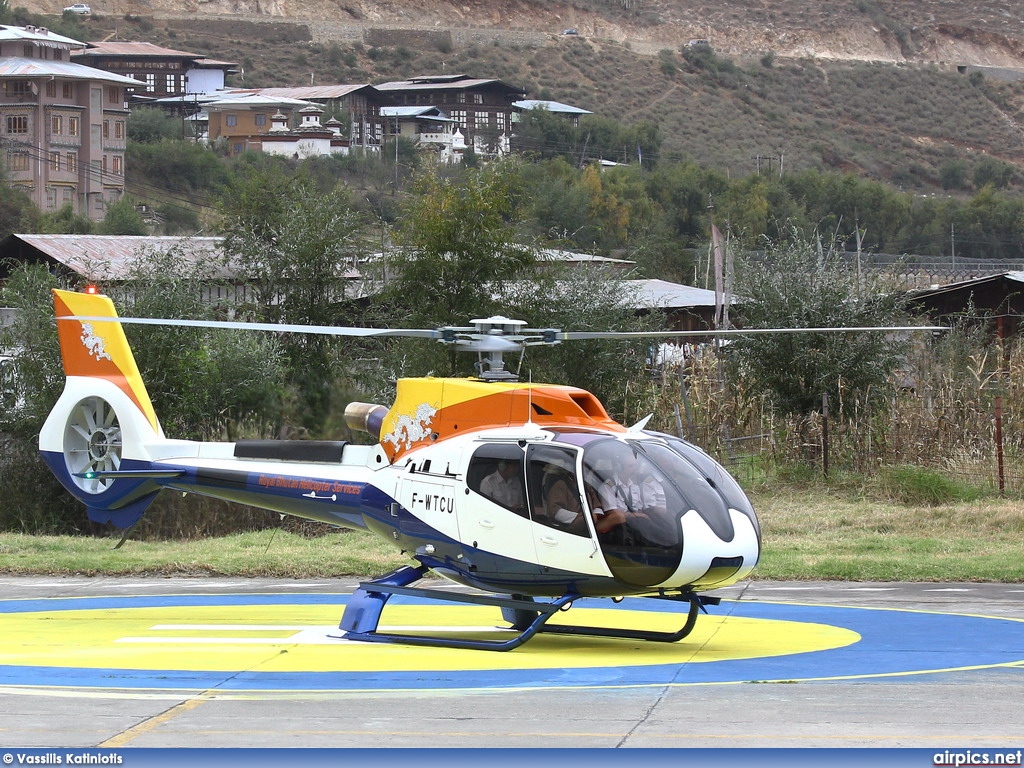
{"x":683,"y":525}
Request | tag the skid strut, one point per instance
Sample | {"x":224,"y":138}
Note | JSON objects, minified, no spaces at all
{"x":527,"y":616}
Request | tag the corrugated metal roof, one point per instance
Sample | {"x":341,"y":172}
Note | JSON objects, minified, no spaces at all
{"x":407,"y":111}
{"x":190,"y":98}
{"x":109,"y":257}
{"x":1016,"y":277}
{"x":313,"y":92}
{"x":555,"y":254}
{"x":254,"y":101}
{"x":213,"y":63}
{"x":38,"y":35}
{"x":435,"y":85}
{"x":663,"y":294}
{"x":432,"y":114}
{"x":17,"y":66}
{"x":550,"y":106}
{"x":117,"y":48}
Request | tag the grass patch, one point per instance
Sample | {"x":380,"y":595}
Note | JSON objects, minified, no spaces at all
{"x":267,"y":553}
{"x":917,"y":485}
{"x":809,"y":533}
{"x":816,"y":534}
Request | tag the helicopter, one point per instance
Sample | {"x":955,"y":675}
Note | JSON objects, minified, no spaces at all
{"x":531,"y":494}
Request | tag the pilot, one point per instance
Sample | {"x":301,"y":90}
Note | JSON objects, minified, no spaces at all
{"x":605,"y":519}
{"x":504,"y":485}
{"x":633,"y":492}
{"x":562,"y":502}
{"x":620,"y":490}
{"x":632,"y":489}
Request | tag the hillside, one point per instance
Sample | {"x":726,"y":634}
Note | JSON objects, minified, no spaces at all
{"x":985,"y":32}
{"x":883,"y":88}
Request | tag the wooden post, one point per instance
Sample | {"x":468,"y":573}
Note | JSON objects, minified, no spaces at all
{"x":999,"y":444}
{"x":685,"y":396}
{"x":824,"y":434}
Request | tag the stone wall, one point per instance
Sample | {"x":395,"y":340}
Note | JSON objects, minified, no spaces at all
{"x":384,"y":36}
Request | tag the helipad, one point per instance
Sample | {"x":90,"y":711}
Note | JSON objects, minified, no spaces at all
{"x":279,"y":642}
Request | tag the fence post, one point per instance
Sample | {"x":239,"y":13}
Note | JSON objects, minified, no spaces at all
{"x":824,"y":434}
{"x":999,"y":444}
{"x":684,"y":394}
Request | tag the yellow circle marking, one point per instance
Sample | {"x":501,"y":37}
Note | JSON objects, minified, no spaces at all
{"x":296,"y":638}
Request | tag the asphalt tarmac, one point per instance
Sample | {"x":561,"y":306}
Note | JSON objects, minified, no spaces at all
{"x":779,"y":664}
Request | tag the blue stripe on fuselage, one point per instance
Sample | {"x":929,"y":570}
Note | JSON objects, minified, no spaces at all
{"x":327,"y":500}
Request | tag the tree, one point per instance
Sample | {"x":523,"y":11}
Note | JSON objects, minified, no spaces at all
{"x":33,"y":500}
{"x":293,"y":247}
{"x":455,"y":242}
{"x":31,"y":341}
{"x":685,"y":192}
{"x":953,"y":174}
{"x":586,"y":299}
{"x":203,"y":383}
{"x":17,"y":211}
{"x":122,"y":219}
{"x":989,"y":225}
{"x":64,"y":221}
{"x":543,"y":134}
{"x":151,"y":125}
{"x":558,"y":206}
{"x":805,"y":285}
{"x":174,"y":166}
{"x":992,"y":172}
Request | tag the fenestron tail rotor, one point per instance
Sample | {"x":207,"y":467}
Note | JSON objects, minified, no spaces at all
{"x":92,"y":444}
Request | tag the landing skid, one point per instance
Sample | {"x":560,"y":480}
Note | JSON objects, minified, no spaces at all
{"x":527,"y":616}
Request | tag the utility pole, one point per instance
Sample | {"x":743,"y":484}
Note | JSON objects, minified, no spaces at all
{"x":952,"y":243}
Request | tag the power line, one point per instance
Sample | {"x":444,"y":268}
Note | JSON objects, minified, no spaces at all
{"x":97,"y":173}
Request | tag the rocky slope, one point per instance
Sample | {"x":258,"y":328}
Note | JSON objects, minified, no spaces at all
{"x":907,"y":92}
{"x":983,"y":33}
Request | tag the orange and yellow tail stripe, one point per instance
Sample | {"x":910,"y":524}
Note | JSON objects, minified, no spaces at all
{"x":99,"y":348}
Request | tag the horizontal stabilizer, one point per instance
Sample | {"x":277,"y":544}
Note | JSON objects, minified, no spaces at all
{"x":125,"y":474}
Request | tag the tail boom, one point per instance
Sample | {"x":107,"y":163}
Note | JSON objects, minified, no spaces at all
{"x":103,"y":442}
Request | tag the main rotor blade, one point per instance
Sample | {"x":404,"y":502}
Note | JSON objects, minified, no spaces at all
{"x":326,"y":330}
{"x":574,"y":335}
{"x":483,"y":342}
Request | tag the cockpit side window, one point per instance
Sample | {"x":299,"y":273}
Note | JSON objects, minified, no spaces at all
{"x":555,"y":499}
{"x":496,"y":472}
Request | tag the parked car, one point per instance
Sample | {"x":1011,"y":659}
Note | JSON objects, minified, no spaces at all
{"x":569,"y":32}
{"x":80,"y":8}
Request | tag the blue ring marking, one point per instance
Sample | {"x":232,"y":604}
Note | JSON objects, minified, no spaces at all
{"x":893,"y":642}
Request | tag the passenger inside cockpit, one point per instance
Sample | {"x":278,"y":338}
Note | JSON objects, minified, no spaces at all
{"x":560,"y":495}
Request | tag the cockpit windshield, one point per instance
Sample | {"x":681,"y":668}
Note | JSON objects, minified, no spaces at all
{"x":635,"y":511}
{"x":629,"y":493}
{"x":638,"y":492}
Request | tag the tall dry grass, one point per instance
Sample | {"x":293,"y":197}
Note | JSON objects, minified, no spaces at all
{"x":957,"y":408}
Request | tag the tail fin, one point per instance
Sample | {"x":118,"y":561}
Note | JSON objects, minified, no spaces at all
{"x":98,"y":348}
{"x":97,"y":438}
